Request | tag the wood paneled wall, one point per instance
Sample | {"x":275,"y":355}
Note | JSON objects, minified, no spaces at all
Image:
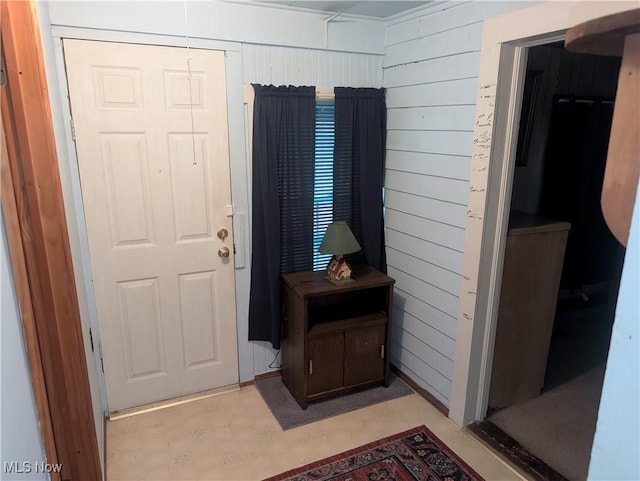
{"x":430,"y":72}
{"x":268,"y":64}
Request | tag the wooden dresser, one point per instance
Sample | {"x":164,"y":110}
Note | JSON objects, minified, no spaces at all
{"x":335,"y":338}
{"x":533,"y":262}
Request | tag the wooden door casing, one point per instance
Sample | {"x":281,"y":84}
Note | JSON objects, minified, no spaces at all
{"x":40,"y":253}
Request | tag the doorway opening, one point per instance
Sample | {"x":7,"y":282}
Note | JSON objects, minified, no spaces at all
{"x":550,"y":397}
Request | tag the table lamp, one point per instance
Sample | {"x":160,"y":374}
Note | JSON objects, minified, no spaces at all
{"x":339,"y":240}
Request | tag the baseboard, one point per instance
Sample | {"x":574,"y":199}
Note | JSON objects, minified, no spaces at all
{"x":430,"y":398}
{"x":512,"y":452}
{"x":260,"y":377}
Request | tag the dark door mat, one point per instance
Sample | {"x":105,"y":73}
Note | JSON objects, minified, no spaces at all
{"x":290,"y":415}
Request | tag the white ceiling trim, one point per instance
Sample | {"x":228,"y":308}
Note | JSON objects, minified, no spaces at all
{"x":370,"y":10}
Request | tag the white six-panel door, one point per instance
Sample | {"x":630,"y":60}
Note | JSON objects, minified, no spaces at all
{"x":154,"y":172}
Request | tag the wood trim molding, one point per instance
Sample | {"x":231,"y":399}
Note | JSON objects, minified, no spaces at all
{"x":421,"y":391}
{"x":40,"y":252}
{"x":11,"y":207}
{"x":260,"y":377}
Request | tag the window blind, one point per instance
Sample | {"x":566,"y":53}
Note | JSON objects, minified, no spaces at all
{"x":323,"y":178}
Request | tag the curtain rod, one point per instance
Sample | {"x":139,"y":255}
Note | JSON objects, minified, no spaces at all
{"x":322,"y":93}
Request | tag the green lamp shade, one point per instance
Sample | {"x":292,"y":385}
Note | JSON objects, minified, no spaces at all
{"x":339,"y":240}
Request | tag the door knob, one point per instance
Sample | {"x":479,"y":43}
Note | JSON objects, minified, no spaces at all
{"x":223,"y":252}
{"x":222,"y":234}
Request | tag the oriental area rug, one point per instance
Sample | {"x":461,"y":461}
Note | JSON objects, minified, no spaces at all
{"x":413,"y":455}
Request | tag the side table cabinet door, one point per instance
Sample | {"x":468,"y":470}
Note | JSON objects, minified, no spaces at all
{"x":365,"y":354}
{"x":325,"y":370}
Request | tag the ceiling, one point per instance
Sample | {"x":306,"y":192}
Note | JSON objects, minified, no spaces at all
{"x":375,"y":8}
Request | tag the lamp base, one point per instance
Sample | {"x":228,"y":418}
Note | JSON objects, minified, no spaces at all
{"x":339,"y":282}
{"x":339,"y":271}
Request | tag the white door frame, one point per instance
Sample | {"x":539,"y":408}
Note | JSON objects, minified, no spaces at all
{"x":501,"y":78}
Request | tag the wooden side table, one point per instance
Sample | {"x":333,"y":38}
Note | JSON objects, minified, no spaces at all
{"x":336,"y":338}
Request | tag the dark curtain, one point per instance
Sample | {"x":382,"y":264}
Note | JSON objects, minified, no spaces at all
{"x":358,"y":170}
{"x":575,"y":161}
{"x":282,"y":200}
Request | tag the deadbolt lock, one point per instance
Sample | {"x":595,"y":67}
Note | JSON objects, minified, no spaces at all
{"x":223,"y":234}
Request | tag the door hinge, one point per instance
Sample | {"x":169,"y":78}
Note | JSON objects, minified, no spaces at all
{"x":73,"y":129}
{"x":91,"y":339}
{"x":3,"y":73}
{"x":310,"y":366}
{"x":100,"y":354}
{"x":382,"y":351}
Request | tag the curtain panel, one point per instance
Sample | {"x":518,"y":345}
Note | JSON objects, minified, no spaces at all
{"x":358,"y":169}
{"x":282,"y":200}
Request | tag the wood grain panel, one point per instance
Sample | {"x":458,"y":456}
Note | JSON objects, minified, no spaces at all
{"x":449,"y":42}
{"x":437,"y":165}
{"x":447,"y":16}
{"x":437,"y":210}
{"x":326,"y":363}
{"x":275,"y":65}
{"x":416,"y":307}
{"x":423,"y":289}
{"x":446,"y":281}
{"x":455,"y":117}
{"x":437,"y":340}
{"x":364,"y":354}
{"x":13,"y":212}
{"x":441,"y":188}
{"x":426,"y":353}
{"x":423,"y":374}
{"x":453,"y":92}
{"x":461,"y":66}
{"x":437,"y":142}
{"x":439,"y":233}
{"x":435,"y":254}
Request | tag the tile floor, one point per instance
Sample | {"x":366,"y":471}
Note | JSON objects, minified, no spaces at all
{"x":234,"y":437}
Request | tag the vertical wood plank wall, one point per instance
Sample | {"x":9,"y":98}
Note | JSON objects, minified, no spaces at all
{"x":266,"y":64}
{"x":430,"y":72}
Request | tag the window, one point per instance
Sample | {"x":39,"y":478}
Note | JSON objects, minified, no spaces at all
{"x":323,"y":179}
